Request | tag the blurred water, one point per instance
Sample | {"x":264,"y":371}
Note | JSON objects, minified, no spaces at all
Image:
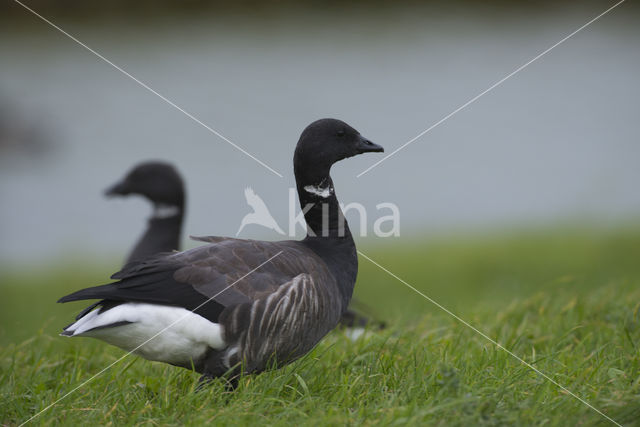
{"x":557,"y":142}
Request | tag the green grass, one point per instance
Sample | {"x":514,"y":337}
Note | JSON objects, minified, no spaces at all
{"x":566,"y":302}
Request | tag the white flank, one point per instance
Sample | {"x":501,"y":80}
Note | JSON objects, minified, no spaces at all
{"x":187,"y":339}
{"x":319,"y":191}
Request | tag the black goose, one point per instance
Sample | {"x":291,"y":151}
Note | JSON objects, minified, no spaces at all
{"x":240,"y":304}
{"x":163,"y":186}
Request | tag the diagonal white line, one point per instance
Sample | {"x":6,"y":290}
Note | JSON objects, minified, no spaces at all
{"x":144,"y":85}
{"x":489,"y":89}
{"x":497,"y":344}
{"x":157,"y":334}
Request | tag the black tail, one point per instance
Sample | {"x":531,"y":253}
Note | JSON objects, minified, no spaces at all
{"x":97,"y":292}
{"x":156,"y":288}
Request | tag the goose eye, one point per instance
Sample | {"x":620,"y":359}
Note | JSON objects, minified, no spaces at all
{"x":340,"y":133}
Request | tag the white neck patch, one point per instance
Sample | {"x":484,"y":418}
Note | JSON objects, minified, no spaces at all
{"x":319,"y":191}
{"x":165,"y":211}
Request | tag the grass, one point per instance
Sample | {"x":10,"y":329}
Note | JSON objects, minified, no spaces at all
{"x":566,"y":302}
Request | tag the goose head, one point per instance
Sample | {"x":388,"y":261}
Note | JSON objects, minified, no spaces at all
{"x":159,"y":182}
{"x":327,"y":141}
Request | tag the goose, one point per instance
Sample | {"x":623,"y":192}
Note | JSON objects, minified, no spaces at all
{"x":238,"y":306}
{"x":161,"y":184}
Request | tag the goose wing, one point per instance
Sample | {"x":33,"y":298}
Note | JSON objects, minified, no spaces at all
{"x":207,"y":279}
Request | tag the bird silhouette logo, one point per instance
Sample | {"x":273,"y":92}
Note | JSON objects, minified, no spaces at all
{"x":260,"y":215}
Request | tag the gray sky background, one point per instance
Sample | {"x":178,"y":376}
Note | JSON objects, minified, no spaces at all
{"x":556,"y":143}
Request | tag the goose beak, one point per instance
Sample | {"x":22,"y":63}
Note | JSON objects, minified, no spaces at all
{"x":119,"y":189}
{"x":366,"y":146}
